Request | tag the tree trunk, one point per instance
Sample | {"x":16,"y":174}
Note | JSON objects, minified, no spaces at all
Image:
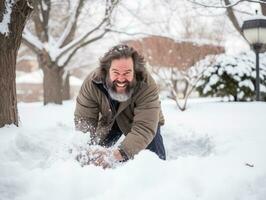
{"x":232,"y":17}
{"x":66,"y":87}
{"x":52,"y":79}
{"x":8,"y":103}
{"x":263,"y":8}
{"x":9,"y":44}
{"x":53,"y":84}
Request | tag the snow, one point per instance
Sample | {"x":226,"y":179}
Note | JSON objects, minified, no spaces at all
{"x":255,"y":17}
{"x":206,"y":89}
{"x":247,"y":83}
{"x":262,"y":88}
{"x":75,"y":81}
{"x":36,"y":77}
{"x":214,"y":79}
{"x":44,"y":6}
{"x":4,"y":29}
{"x":216,"y":150}
{"x":53,"y":50}
{"x":33,"y":40}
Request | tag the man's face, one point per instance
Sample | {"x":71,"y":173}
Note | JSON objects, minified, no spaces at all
{"x":121,"y":77}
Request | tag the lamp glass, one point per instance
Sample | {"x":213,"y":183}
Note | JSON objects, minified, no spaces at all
{"x":262,"y":35}
{"x":255,"y":35}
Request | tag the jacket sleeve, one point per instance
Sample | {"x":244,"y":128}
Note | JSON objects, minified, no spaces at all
{"x":87,"y":109}
{"x":145,"y":122}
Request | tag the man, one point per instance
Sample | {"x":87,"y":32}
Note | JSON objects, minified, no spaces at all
{"x":120,"y":97}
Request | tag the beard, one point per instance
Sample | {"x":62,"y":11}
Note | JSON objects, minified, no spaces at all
{"x":120,"y":96}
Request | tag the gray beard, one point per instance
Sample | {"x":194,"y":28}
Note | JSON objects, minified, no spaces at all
{"x":120,"y":97}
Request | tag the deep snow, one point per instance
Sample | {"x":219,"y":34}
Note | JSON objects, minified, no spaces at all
{"x":216,"y":150}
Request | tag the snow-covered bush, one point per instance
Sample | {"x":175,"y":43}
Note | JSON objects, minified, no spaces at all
{"x":233,"y":77}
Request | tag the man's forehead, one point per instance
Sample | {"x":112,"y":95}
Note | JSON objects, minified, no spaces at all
{"x":119,"y":69}
{"x":124,"y":63}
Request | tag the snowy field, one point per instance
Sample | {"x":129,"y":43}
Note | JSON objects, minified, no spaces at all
{"x":216,"y":151}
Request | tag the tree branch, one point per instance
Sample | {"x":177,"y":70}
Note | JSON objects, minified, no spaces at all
{"x":232,"y":17}
{"x":78,"y":41}
{"x":83,"y":45}
{"x":71,"y":25}
{"x":110,"y":4}
{"x":38,"y":21}
{"x":45,"y":7}
{"x":130,"y":34}
{"x":31,"y":41}
{"x":214,"y":6}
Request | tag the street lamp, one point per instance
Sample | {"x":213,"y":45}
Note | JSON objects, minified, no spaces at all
{"x":254,"y":30}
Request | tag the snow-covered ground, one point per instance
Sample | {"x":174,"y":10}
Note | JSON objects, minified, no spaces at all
{"x":216,"y":151}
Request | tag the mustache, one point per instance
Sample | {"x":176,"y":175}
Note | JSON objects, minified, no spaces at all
{"x":112,"y":84}
{"x":120,"y":97}
{"x":121,"y":82}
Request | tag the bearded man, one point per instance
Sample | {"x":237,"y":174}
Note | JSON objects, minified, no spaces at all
{"x":121,"y":98}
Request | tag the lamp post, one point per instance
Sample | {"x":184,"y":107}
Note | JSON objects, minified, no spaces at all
{"x":254,"y":30}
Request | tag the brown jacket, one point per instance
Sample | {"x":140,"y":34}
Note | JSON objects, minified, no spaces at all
{"x":137,"y":118}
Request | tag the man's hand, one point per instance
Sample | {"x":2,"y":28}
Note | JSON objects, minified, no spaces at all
{"x":99,"y":156}
{"x":105,"y":157}
{"x":117,"y":155}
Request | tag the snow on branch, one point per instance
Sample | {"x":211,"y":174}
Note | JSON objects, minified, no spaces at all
{"x":25,"y":58}
{"x":79,"y":40}
{"x":32,"y":41}
{"x":4,"y":29}
{"x":71,"y":22}
{"x":44,"y":5}
{"x":64,"y":62}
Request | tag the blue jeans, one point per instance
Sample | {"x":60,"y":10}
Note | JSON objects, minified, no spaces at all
{"x":155,"y":146}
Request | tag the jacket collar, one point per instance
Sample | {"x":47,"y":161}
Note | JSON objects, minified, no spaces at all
{"x":98,"y":76}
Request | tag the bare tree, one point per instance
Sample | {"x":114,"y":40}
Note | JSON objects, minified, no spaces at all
{"x":56,"y":45}
{"x":13,"y":16}
{"x":229,"y":5}
{"x":180,"y":83}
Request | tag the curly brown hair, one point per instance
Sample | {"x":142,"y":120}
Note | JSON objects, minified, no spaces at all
{"x":123,"y":51}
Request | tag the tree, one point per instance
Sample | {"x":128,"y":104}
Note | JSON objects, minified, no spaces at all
{"x":13,"y":16}
{"x":230,"y":5}
{"x":56,"y":42}
{"x":180,"y":83}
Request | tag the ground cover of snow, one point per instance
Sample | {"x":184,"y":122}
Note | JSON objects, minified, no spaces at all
{"x":215,"y":150}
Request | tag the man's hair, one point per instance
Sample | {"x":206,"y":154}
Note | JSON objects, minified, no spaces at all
{"x":123,"y":51}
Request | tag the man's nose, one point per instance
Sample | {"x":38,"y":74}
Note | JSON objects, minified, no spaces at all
{"x":121,"y":78}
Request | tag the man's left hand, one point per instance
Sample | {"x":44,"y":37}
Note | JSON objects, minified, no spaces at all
{"x":105,"y":157}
